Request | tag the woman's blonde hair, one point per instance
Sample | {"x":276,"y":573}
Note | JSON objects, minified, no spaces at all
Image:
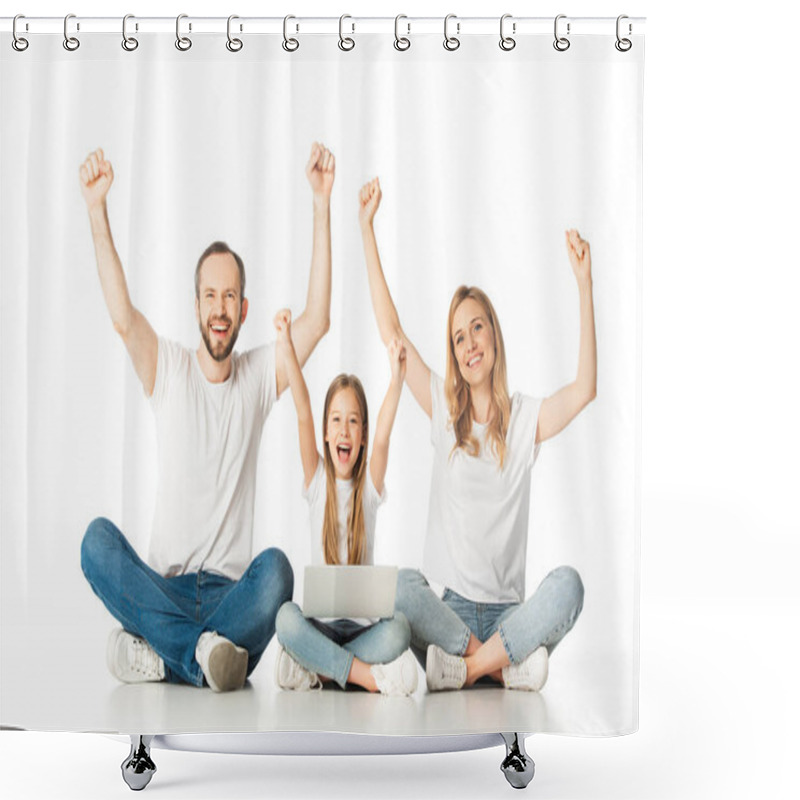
{"x":356,"y":536}
{"x":457,"y":391}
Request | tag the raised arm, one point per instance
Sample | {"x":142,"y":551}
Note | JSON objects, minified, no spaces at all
{"x":418,"y":376}
{"x":305,"y":421}
{"x":558,"y":410}
{"x":315,"y":320}
{"x":96,"y":176}
{"x":383,"y":428}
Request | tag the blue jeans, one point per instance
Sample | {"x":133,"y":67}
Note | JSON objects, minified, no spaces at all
{"x":542,"y":620}
{"x":171,"y":613}
{"x":328,"y":648}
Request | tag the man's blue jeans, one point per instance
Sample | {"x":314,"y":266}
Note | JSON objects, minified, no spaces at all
{"x":171,"y":613}
{"x":544,"y":619}
{"x":329,"y":648}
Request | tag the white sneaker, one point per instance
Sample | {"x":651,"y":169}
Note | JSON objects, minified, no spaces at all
{"x":291,"y":675}
{"x":443,"y":671}
{"x":223,"y":663}
{"x":398,"y":677}
{"x":530,"y":674}
{"x":131,"y":660}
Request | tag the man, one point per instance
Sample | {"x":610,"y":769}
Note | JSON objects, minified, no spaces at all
{"x":201,"y":611}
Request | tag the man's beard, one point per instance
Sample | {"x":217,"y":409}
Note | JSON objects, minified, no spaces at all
{"x":219,"y":355}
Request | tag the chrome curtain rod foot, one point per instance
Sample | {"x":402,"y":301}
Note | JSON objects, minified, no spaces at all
{"x":138,"y":768}
{"x":517,"y":766}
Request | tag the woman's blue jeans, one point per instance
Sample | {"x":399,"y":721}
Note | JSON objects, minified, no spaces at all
{"x":542,"y":620}
{"x":171,"y":613}
{"x":328,"y":648}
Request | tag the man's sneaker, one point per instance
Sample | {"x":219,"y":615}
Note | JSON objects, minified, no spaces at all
{"x":398,"y":677}
{"x":291,"y":675}
{"x":530,"y":674}
{"x":131,"y":660}
{"x":223,"y":663}
{"x":443,"y":671}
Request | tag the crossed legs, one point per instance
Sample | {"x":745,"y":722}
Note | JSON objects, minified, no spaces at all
{"x":490,"y":636}
{"x":170,"y":614}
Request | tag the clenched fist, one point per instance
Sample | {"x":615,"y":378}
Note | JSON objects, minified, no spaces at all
{"x":96,"y":176}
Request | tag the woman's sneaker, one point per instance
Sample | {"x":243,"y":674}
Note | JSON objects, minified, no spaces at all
{"x":443,"y":671}
{"x":131,"y":660}
{"x":530,"y":674}
{"x":398,"y":677}
{"x":291,"y":675}
{"x":224,"y":664}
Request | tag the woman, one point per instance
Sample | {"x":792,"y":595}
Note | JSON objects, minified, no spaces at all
{"x":485,"y":445}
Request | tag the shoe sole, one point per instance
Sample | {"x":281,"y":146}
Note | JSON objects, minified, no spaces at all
{"x":111,"y":652}
{"x":227,"y":667}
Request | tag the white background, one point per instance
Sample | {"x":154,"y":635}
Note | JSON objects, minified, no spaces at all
{"x":720,"y":605}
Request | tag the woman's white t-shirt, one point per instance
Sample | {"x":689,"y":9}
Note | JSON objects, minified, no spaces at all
{"x":315,"y":495}
{"x":478,"y":514}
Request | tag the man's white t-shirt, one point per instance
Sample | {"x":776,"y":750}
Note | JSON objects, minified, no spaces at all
{"x":316,"y":493}
{"x":478,"y":514}
{"x":208,"y":441}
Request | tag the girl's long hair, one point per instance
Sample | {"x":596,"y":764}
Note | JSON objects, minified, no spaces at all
{"x":356,"y":535}
{"x":457,"y":391}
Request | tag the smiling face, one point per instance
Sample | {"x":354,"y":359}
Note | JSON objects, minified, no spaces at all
{"x":219,"y":306}
{"x":472,"y":341}
{"x":344,"y":431}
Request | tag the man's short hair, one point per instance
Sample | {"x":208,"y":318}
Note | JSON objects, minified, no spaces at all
{"x":212,"y":249}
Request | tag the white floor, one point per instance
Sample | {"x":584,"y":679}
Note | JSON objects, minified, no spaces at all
{"x":718,"y":719}
{"x":595,"y":700}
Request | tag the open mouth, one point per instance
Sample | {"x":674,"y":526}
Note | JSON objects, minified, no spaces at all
{"x":220,"y":329}
{"x":475,"y":360}
{"x":343,"y":452}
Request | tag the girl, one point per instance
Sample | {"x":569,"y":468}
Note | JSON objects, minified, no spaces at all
{"x":485,"y":445}
{"x":343,"y":492}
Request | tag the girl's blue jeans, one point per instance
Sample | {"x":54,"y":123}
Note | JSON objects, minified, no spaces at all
{"x":171,"y":613}
{"x":328,"y":648}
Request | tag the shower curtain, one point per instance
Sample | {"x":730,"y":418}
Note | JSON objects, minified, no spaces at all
{"x":485,"y":156}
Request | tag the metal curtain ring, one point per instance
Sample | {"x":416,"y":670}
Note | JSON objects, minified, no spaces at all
{"x":233,"y":44}
{"x":346,"y":43}
{"x":450,"y":42}
{"x":401,"y":43}
{"x":289,"y":44}
{"x":561,"y":43}
{"x":71,"y":43}
{"x":19,"y":43}
{"x":506,"y":42}
{"x":129,"y":43}
{"x":623,"y":45}
{"x":183,"y":43}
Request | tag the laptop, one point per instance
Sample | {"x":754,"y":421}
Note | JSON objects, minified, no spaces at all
{"x":332,"y":591}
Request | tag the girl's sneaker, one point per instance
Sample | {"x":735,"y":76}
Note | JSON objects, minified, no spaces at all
{"x":398,"y":677}
{"x":530,"y":674}
{"x":291,"y":675}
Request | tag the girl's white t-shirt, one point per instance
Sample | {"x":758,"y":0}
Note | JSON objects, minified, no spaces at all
{"x":478,"y":514}
{"x":315,"y":495}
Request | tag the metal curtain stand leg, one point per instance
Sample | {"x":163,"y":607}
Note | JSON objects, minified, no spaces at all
{"x":517,"y":766}
{"x":138,"y":768}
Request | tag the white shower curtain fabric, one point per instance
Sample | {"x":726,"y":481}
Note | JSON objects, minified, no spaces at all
{"x":485,"y":158}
